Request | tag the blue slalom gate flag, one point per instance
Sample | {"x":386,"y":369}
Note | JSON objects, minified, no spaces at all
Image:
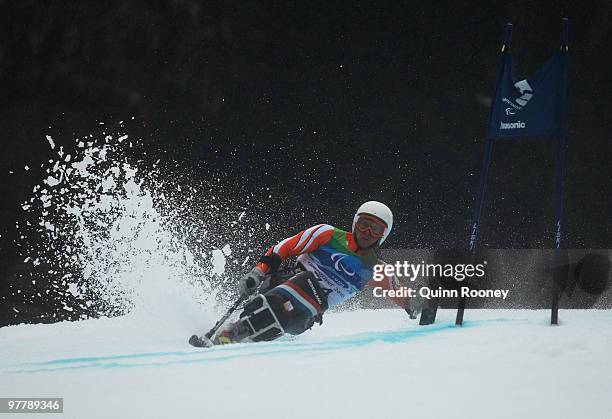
{"x":532,"y":107}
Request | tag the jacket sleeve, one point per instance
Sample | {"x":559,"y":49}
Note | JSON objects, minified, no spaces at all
{"x":305,"y":241}
{"x":390,"y":283}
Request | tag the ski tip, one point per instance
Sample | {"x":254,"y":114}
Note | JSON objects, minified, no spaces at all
{"x":200,"y":341}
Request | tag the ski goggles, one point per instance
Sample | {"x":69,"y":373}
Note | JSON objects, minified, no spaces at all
{"x":377,"y":228}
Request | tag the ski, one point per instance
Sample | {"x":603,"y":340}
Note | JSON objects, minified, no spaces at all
{"x":205,"y":341}
{"x":200,"y":341}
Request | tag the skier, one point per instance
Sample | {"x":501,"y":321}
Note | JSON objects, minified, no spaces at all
{"x":332,"y":266}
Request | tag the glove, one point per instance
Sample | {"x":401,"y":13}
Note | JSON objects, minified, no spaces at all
{"x":249,"y":283}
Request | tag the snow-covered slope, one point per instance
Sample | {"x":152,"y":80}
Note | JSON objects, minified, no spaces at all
{"x":359,"y":364}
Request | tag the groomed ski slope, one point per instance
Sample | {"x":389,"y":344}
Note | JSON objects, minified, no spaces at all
{"x":359,"y":364}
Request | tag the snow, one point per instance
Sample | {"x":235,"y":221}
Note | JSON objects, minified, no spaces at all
{"x":51,"y":142}
{"x":135,"y":249}
{"x":51,"y":181}
{"x":218,"y":262}
{"x":359,"y":364}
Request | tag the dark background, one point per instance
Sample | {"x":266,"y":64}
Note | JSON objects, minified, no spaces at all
{"x":321,"y":105}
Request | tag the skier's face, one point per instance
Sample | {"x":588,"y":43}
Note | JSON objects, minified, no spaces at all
{"x":368,"y":230}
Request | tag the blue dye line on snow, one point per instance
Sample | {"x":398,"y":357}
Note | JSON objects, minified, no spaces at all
{"x":223,"y":353}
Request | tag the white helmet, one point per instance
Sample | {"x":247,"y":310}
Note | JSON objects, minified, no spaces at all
{"x":378,"y":210}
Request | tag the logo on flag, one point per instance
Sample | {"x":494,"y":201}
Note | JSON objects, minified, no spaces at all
{"x":525,"y":90}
